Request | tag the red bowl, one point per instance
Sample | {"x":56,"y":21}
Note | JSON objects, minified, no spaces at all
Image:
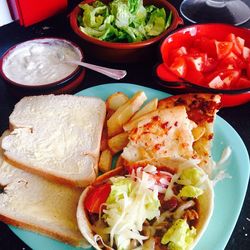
{"x":230,"y":97}
{"x":123,"y":52}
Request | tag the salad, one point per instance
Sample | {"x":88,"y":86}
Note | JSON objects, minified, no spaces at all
{"x":123,"y":20}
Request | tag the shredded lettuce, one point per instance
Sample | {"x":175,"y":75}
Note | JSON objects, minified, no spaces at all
{"x":129,"y":205}
{"x":179,"y":236}
{"x":123,"y":20}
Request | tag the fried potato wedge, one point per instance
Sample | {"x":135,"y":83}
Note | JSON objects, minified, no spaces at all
{"x":124,"y":113}
{"x":116,"y":100}
{"x":131,"y":124}
{"x":149,"y":107}
{"x":118,"y":142}
{"x":105,"y":161}
{"x":119,"y":162}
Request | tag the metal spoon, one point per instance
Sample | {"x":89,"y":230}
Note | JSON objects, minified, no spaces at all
{"x":113,"y":73}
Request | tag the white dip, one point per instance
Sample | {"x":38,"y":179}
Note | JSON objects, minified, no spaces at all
{"x":40,"y":61}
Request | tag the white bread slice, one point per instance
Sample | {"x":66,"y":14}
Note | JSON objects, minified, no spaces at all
{"x":34,"y":203}
{"x":57,"y":136}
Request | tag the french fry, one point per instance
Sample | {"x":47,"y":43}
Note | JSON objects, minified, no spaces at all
{"x":118,"y":142}
{"x":104,"y":138}
{"x":119,"y":162}
{"x":142,"y":119}
{"x":116,"y":100}
{"x":124,"y":113}
{"x":198,"y":132}
{"x":149,"y":107}
{"x":105,"y":161}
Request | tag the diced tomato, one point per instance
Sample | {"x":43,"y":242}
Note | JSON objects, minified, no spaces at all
{"x":96,"y":197}
{"x":194,"y":77}
{"x":246,"y":53}
{"x":179,"y":67}
{"x":242,"y":83}
{"x":181,"y":51}
{"x":196,"y":61}
{"x":232,"y":61}
{"x":216,"y":83}
{"x":238,"y":43}
{"x":210,"y":65}
{"x":223,"y":48}
{"x":230,"y":77}
{"x":205,"y":45}
{"x":223,"y":79}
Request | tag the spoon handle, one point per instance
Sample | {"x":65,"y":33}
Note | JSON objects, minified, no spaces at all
{"x":113,"y":73}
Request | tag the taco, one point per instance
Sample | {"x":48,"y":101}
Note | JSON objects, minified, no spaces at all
{"x":165,"y":204}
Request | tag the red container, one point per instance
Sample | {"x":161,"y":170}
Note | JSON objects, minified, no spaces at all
{"x":230,"y":97}
{"x":123,"y":52}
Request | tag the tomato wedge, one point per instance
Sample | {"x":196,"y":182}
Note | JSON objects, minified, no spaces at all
{"x":96,"y":197}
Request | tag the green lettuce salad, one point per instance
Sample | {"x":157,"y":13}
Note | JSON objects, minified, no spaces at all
{"x":123,"y":20}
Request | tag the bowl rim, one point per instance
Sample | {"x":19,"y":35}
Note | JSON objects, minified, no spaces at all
{"x":63,"y":81}
{"x":185,"y":83}
{"x":176,"y":20}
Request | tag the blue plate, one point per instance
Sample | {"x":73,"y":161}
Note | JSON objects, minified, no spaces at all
{"x":229,"y":193}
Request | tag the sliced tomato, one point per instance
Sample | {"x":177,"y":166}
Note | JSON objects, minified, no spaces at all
{"x":96,"y":197}
{"x":179,"y":67}
{"x":223,"y":48}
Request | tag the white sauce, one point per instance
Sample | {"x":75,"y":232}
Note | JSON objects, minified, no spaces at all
{"x":40,"y":62}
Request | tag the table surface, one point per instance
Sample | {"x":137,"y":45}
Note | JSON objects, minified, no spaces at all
{"x":141,"y":74}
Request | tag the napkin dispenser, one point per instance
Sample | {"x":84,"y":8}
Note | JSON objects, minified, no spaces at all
{"x":29,"y":12}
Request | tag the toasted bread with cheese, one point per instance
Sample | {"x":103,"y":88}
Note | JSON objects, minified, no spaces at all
{"x":34,"y":203}
{"x":57,"y":137}
{"x":201,"y":108}
{"x":161,"y":133}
